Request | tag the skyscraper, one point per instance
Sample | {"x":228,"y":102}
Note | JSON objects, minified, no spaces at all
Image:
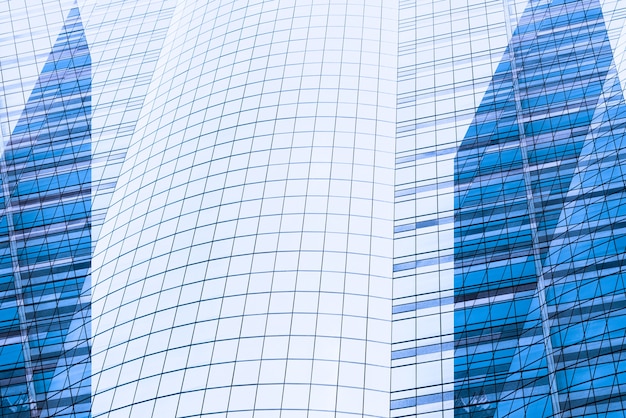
{"x":539,"y":185}
{"x":323,"y":208}
{"x":46,"y":241}
{"x":245,"y":262}
{"x":61,"y":157}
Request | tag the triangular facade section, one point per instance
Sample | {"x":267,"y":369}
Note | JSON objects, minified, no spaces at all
{"x":45,"y":238}
{"x":514,"y":171}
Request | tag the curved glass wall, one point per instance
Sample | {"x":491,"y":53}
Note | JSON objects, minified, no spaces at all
{"x":244,"y":265}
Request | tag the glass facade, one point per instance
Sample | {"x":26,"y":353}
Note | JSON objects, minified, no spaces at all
{"x":313,"y":208}
{"x":243,"y":266}
{"x":45,"y":239}
{"x":447,"y":55}
{"x":538,"y":188}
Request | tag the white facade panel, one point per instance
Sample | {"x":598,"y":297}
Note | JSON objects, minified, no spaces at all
{"x":246,"y":258}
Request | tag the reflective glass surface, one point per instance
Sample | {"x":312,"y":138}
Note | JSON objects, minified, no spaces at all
{"x":316,"y":208}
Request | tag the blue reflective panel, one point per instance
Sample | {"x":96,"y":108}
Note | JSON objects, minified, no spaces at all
{"x":47,"y":176}
{"x":549,"y":264}
{"x":11,"y":355}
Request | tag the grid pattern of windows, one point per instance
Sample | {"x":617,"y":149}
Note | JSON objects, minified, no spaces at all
{"x":539,"y":241}
{"x":29,"y":30}
{"x":323,"y":208}
{"x":447,"y":53}
{"x":45,"y":240}
{"x":125,"y":41}
{"x":244,"y":265}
